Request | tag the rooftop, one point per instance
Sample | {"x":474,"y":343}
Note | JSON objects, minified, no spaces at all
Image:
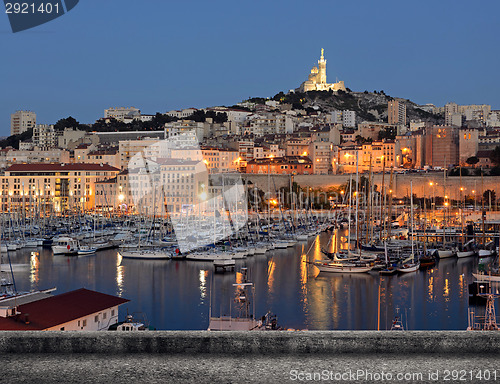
{"x":57,"y":167}
{"x":54,"y":310}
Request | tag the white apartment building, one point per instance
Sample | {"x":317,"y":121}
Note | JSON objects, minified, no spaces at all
{"x":45,"y":136}
{"x":21,"y":121}
{"x":349,"y":119}
{"x":122,"y":113}
{"x":450,"y":109}
{"x":185,"y":132}
{"x":182,"y":113}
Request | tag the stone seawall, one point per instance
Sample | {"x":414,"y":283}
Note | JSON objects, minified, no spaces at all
{"x":401,"y":183}
{"x":252,"y":343}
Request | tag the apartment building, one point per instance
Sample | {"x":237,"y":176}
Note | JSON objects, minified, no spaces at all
{"x":287,"y":165}
{"x":21,"y":121}
{"x":53,"y":187}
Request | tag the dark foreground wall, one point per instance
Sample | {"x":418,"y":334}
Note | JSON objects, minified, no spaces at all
{"x":252,"y":343}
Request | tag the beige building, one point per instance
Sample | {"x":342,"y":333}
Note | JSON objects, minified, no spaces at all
{"x":317,"y":79}
{"x":441,"y":146}
{"x":122,"y":114}
{"x":451,"y":110}
{"x":396,"y":112}
{"x":378,"y":155}
{"x":320,"y":154}
{"x":13,"y":156}
{"x":52,"y":188}
{"x":468,"y":144}
{"x":21,"y":121}
{"x":221,"y":160}
{"x":109,"y":156}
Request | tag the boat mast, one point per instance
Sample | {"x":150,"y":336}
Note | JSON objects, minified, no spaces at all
{"x":411,"y":213}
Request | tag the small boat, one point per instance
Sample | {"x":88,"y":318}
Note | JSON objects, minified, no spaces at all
{"x":484,"y":277}
{"x":86,"y":250}
{"x":145,"y":254}
{"x":427,"y":261}
{"x":389,"y":270}
{"x":339,"y":267}
{"x":445,"y":253}
{"x":467,"y":250}
{"x":409,"y":265}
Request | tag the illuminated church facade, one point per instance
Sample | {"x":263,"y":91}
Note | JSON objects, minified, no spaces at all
{"x":317,"y":79}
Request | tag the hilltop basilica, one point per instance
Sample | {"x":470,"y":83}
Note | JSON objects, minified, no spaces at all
{"x":317,"y":79}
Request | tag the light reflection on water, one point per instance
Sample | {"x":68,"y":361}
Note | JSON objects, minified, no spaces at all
{"x":174,"y":294}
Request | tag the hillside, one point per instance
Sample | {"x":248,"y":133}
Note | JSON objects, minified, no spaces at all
{"x":369,"y":106}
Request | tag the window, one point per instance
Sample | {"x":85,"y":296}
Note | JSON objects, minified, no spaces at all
{"x":84,"y":323}
{"x":112,"y":312}
{"x":104,"y":316}
{"x":96,"y":319}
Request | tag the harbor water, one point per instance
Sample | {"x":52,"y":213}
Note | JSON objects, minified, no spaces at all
{"x":179,"y":294}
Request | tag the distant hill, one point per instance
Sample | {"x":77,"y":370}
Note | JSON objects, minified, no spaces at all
{"x":369,"y":106}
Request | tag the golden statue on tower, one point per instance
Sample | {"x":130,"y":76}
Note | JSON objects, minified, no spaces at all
{"x":317,"y":78}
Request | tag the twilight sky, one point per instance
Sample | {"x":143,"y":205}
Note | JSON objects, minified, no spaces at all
{"x":159,"y":55}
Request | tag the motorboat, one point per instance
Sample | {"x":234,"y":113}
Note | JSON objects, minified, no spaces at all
{"x":65,"y":245}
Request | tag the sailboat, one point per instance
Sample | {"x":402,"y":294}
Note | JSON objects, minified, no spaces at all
{"x":389,"y":269}
{"x":409,"y":264}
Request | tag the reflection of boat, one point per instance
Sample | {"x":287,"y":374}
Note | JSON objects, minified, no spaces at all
{"x":224,"y":264}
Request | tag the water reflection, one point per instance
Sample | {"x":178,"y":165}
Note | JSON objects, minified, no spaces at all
{"x":174,"y":293}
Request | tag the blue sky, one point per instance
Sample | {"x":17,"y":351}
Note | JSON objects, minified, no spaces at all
{"x":159,"y":55}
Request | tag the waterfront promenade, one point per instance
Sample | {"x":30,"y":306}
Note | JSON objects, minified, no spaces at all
{"x":256,"y":357}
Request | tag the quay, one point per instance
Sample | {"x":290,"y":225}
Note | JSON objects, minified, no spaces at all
{"x":243,"y":357}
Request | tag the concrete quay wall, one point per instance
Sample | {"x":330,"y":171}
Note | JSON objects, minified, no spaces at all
{"x":401,"y":183}
{"x":252,"y":343}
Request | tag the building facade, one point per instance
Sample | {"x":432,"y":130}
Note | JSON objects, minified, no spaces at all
{"x":21,"y":121}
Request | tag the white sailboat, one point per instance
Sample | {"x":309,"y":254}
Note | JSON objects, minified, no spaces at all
{"x":409,"y":264}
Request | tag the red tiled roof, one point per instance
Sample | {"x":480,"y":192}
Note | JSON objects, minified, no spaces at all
{"x":60,"y":309}
{"x":60,"y":167}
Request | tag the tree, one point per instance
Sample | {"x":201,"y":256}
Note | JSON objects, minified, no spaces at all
{"x":69,"y":122}
{"x":489,"y":194}
{"x":456,"y":172}
{"x":495,"y":155}
{"x":13,"y":141}
{"x":473,"y":160}
{"x":387,"y":133}
{"x":495,"y":171}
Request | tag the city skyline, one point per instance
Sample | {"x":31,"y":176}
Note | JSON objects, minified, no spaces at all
{"x":177,"y":56}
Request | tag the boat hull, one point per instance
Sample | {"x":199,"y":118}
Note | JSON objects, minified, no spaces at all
{"x":481,"y":277}
{"x":465,"y":254}
{"x":145,"y":254}
{"x":342,"y":268}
